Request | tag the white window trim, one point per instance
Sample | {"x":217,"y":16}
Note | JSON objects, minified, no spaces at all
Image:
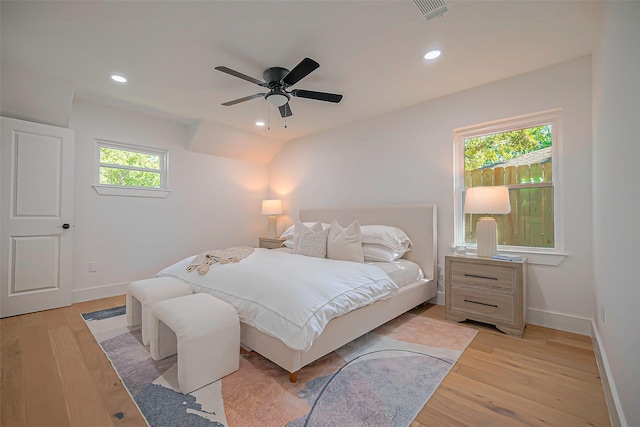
{"x":116,"y":190}
{"x":545,"y":256}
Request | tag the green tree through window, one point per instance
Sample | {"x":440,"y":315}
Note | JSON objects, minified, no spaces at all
{"x":487,"y":150}
{"x":125,"y":167}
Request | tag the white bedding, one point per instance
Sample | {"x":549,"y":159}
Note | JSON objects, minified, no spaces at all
{"x":402,"y":271}
{"x":291,"y":297}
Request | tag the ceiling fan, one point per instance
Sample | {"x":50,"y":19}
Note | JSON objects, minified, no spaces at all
{"x":278,"y":80}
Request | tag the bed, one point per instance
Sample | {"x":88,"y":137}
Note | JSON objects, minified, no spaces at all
{"x":417,"y":221}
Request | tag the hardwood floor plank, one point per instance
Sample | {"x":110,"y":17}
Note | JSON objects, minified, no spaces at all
{"x":12,"y":410}
{"x":561,"y":356}
{"x":563,"y":398}
{"x":83,"y":400}
{"x":502,"y":360}
{"x":462,"y":411}
{"x":437,"y":412}
{"x":523,"y":411}
{"x":112,"y":391}
{"x":43,"y":393}
{"x":32,"y":319}
{"x":535,"y":364}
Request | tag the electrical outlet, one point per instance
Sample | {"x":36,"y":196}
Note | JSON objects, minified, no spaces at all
{"x":441,"y":274}
{"x":93,"y":266}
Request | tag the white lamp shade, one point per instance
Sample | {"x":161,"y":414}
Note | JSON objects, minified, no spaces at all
{"x":271,"y":207}
{"x":487,"y":200}
{"x":277,"y":99}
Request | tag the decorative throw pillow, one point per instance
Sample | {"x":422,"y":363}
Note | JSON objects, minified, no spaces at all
{"x":345,"y":243}
{"x":300,"y":227}
{"x":309,"y":242}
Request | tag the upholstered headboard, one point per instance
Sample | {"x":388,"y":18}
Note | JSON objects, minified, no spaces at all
{"x":419,"y":222}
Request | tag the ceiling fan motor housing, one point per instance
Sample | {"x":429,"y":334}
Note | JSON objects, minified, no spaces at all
{"x":274,"y":75}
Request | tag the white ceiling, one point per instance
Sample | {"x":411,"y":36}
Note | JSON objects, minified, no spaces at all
{"x":369,"y":51}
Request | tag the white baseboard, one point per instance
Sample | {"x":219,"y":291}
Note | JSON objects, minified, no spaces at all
{"x":616,"y":415}
{"x":563,"y":322}
{"x":438,"y":299}
{"x":106,"y":291}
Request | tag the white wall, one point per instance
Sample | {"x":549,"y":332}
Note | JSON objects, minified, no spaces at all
{"x":214,"y":203}
{"x":407,"y":157}
{"x":616,"y":157}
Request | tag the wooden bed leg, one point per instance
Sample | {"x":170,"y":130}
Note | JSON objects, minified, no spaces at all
{"x":293,"y":376}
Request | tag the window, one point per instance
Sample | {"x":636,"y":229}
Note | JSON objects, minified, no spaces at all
{"x":518,"y":153}
{"x":130,"y":170}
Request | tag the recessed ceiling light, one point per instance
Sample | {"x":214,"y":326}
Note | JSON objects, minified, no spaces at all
{"x":432,"y":54}
{"x":259,"y":123}
{"x":118,"y":78}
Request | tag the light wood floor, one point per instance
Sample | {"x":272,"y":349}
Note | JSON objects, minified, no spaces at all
{"x":54,"y":374}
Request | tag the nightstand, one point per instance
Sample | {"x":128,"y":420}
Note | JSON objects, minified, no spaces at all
{"x":487,"y":290}
{"x":270,"y":242}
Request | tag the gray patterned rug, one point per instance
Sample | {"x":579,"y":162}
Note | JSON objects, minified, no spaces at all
{"x":383,"y":378}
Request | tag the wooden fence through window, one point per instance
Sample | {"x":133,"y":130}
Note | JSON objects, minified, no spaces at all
{"x":530,"y":222}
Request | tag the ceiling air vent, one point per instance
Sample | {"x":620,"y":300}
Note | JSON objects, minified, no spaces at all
{"x":431,"y":8}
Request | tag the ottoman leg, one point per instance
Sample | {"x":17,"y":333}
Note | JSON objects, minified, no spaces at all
{"x":133,"y":310}
{"x":164,"y":342}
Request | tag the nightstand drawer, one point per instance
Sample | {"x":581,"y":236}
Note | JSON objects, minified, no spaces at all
{"x":487,"y":304}
{"x":487,"y":277}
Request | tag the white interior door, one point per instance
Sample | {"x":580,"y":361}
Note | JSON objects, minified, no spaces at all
{"x":36,"y":245}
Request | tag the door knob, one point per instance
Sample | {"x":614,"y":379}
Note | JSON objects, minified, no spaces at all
{"x":65,"y":226}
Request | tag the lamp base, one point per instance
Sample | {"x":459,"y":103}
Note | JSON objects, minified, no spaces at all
{"x":486,"y":233}
{"x":272,"y":226}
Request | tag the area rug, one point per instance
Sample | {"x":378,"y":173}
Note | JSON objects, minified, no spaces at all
{"x":383,"y":378}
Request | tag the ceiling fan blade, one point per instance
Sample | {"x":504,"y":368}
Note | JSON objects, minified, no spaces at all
{"x":285,"y":110}
{"x":320,"y":96}
{"x":241,"y":76}
{"x":300,"y":71}
{"x":246,"y":98}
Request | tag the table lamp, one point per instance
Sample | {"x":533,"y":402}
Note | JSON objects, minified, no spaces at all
{"x":487,"y":200}
{"x":272,"y":208}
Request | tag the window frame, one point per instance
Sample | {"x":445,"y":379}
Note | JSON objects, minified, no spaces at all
{"x":121,"y":190}
{"x":535,"y":255}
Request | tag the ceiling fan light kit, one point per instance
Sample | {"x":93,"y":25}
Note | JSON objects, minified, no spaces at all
{"x":277,"y":80}
{"x":277,"y":97}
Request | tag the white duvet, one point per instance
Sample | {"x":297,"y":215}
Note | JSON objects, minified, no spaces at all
{"x":291,"y":297}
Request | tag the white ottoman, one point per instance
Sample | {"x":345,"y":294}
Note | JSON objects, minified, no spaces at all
{"x":204,"y":331}
{"x":142,"y":294}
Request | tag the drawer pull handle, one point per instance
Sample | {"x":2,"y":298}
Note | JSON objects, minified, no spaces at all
{"x":480,"y":277}
{"x":481,"y":303}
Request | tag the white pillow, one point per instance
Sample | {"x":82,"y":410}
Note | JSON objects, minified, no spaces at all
{"x":345,"y":243}
{"x":288,"y":243}
{"x":386,"y":235}
{"x":300,"y":227}
{"x":289,"y":232}
{"x":380,"y":253}
{"x":309,"y":242}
